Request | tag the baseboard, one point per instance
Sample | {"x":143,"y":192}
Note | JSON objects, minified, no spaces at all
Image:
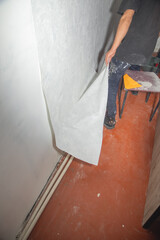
{"x":44,"y":198}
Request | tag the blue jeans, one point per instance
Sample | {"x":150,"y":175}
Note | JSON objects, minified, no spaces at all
{"x":117,"y":69}
{"x":135,"y":67}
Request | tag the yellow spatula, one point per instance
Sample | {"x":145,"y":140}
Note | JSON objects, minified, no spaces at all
{"x":129,"y":83}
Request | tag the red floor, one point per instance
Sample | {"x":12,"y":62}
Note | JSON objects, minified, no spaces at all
{"x":106,"y":202}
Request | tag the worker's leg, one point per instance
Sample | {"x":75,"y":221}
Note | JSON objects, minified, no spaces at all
{"x":135,"y":68}
{"x":116,"y":71}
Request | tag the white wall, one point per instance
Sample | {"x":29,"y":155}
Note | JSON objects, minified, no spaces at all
{"x":157,"y":47}
{"x":27,"y":156}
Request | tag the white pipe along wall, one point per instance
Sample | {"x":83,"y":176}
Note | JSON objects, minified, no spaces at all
{"x":27,"y":156}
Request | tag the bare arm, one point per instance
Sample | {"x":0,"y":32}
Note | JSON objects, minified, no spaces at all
{"x":122,"y":30}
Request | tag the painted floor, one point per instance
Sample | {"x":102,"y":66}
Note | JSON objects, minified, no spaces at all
{"x":106,"y":202}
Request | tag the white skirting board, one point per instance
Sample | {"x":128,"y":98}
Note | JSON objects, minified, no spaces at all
{"x":47,"y":194}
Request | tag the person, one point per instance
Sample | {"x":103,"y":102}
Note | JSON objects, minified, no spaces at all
{"x":133,"y":44}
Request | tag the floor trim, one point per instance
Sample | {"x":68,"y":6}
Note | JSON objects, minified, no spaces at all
{"x":44,"y":198}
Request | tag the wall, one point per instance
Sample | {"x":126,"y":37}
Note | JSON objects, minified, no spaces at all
{"x":157,"y":47}
{"x":153,"y":191}
{"x":27,"y":156}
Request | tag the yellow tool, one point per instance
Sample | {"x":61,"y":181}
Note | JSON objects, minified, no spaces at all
{"x":129,"y":83}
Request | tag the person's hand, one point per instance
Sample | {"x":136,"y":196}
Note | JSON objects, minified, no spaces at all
{"x":109,"y":55}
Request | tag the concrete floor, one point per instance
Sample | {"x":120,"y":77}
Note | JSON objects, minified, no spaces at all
{"x":106,"y":202}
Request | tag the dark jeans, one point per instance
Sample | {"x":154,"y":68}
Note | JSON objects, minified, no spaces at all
{"x":135,"y":67}
{"x":117,"y":69}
